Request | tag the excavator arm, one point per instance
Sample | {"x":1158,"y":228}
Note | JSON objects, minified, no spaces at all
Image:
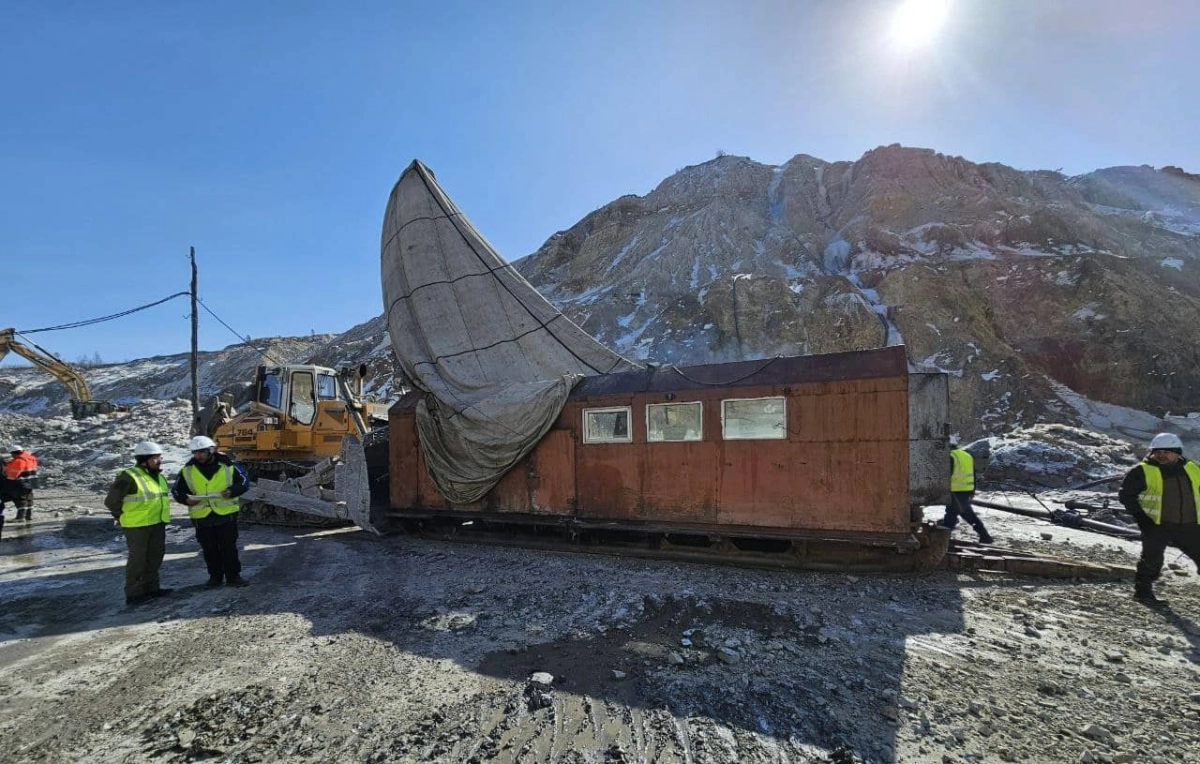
{"x":80,"y":395}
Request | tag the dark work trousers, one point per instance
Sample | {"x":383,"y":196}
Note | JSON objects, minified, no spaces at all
{"x":219,"y":543}
{"x":24,"y":503}
{"x":960,"y":504}
{"x":147,"y":545}
{"x":19,"y":495}
{"x":1156,"y":539}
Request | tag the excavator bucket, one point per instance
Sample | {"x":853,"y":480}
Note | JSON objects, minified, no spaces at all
{"x":349,"y":500}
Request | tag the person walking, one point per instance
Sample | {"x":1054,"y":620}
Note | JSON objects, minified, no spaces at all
{"x":1162,"y":492}
{"x":209,"y":485}
{"x":140,"y":500}
{"x":20,"y":478}
{"x":962,"y":489}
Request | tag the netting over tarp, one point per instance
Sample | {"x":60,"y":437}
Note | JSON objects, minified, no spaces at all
{"x":494,"y":359}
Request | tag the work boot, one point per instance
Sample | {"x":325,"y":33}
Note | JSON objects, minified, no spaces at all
{"x":986,"y":538}
{"x":141,"y":599}
{"x":214,"y":581}
{"x":160,"y":592}
{"x":236,"y":581}
{"x":20,"y":514}
{"x":1144,"y":593}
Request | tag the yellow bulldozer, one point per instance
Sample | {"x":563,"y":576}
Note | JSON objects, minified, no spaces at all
{"x":82,"y":405}
{"x":305,"y":430}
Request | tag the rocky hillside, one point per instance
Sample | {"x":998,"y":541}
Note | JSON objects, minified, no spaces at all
{"x":30,"y":390}
{"x":1047,"y":298}
{"x":1021,"y":285}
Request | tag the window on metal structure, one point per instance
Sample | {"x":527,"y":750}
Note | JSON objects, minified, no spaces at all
{"x":271,"y":390}
{"x":304,"y":405}
{"x":610,"y":425}
{"x":327,"y":387}
{"x":754,"y":418}
{"x":673,"y":422}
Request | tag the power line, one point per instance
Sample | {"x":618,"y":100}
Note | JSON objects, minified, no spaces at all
{"x":236,"y":333}
{"x":122,"y":314}
{"x":102,"y":319}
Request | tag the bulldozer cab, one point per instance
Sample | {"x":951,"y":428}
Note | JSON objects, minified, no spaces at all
{"x":297,"y":390}
{"x":297,"y":412}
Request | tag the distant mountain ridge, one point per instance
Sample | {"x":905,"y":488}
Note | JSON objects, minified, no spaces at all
{"x":1015,"y":283}
{"x":1046,"y":298}
{"x":30,"y":390}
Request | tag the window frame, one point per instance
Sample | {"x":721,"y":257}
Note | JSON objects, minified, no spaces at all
{"x":783,"y":430}
{"x":605,"y":410}
{"x":700,"y":436}
{"x":265,"y":390}
{"x":310,"y":403}
{"x":333,"y":381}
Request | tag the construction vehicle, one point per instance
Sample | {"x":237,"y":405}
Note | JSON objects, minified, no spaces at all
{"x":521,"y":425}
{"x":305,"y":428}
{"x":522,"y":429}
{"x":82,"y":405}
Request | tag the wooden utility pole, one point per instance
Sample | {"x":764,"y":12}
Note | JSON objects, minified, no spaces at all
{"x":195,"y":350}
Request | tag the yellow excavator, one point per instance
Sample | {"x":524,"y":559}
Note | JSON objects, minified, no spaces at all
{"x":305,"y":430}
{"x":82,"y":405}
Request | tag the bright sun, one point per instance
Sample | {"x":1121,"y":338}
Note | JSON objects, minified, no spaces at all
{"x":915,"y":23}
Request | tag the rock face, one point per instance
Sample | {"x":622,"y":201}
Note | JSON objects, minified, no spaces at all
{"x":1046,"y":298}
{"x":1017,"y":284}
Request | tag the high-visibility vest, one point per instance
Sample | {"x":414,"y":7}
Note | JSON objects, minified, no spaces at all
{"x":19,"y":465}
{"x":1152,"y":498}
{"x":963,"y":476}
{"x":199,"y":485}
{"x":151,"y":504}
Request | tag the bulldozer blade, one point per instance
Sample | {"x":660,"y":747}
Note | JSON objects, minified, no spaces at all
{"x":352,"y":484}
{"x":351,"y":494}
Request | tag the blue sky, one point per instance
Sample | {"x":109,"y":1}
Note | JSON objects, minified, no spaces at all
{"x":268,"y":135}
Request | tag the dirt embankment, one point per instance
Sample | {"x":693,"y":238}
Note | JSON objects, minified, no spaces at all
{"x":351,"y":648}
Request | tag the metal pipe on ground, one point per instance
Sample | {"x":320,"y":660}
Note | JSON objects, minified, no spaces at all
{"x":1066,"y":519}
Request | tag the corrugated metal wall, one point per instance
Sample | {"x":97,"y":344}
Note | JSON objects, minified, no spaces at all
{"x":844,"y":465}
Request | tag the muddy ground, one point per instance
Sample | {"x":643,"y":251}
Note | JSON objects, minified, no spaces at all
{"x":353,"y":648}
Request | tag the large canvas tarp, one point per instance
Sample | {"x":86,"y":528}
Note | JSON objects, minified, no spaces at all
{"x":494,"y":359}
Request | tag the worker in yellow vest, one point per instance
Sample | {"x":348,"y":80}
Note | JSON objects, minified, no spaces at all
{"x":140,"y":499}
{"x":209,"y":485}
{"x":962,"y":489}
{"x":1163,"y":493}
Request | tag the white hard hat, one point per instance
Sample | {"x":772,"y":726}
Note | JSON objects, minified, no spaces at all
{"x":14,"y":448}
{"x":147,"y":448}
{"x":201,"y":442}
{"x":1166,"y":440}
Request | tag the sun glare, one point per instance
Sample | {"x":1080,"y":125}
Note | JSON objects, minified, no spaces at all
{"x":916,"y":23}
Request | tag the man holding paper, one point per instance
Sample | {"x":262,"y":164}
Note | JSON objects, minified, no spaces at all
{"x":209,"y":485}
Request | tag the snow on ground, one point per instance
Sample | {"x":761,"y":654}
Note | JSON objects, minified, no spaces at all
{"x":1051,"y":456}
{"x":1131,"y":424}
{"x":349,"y":647}
{"x":88,"y":453}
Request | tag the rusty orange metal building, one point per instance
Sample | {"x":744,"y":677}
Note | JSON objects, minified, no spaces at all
{"x":841,"y":445}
